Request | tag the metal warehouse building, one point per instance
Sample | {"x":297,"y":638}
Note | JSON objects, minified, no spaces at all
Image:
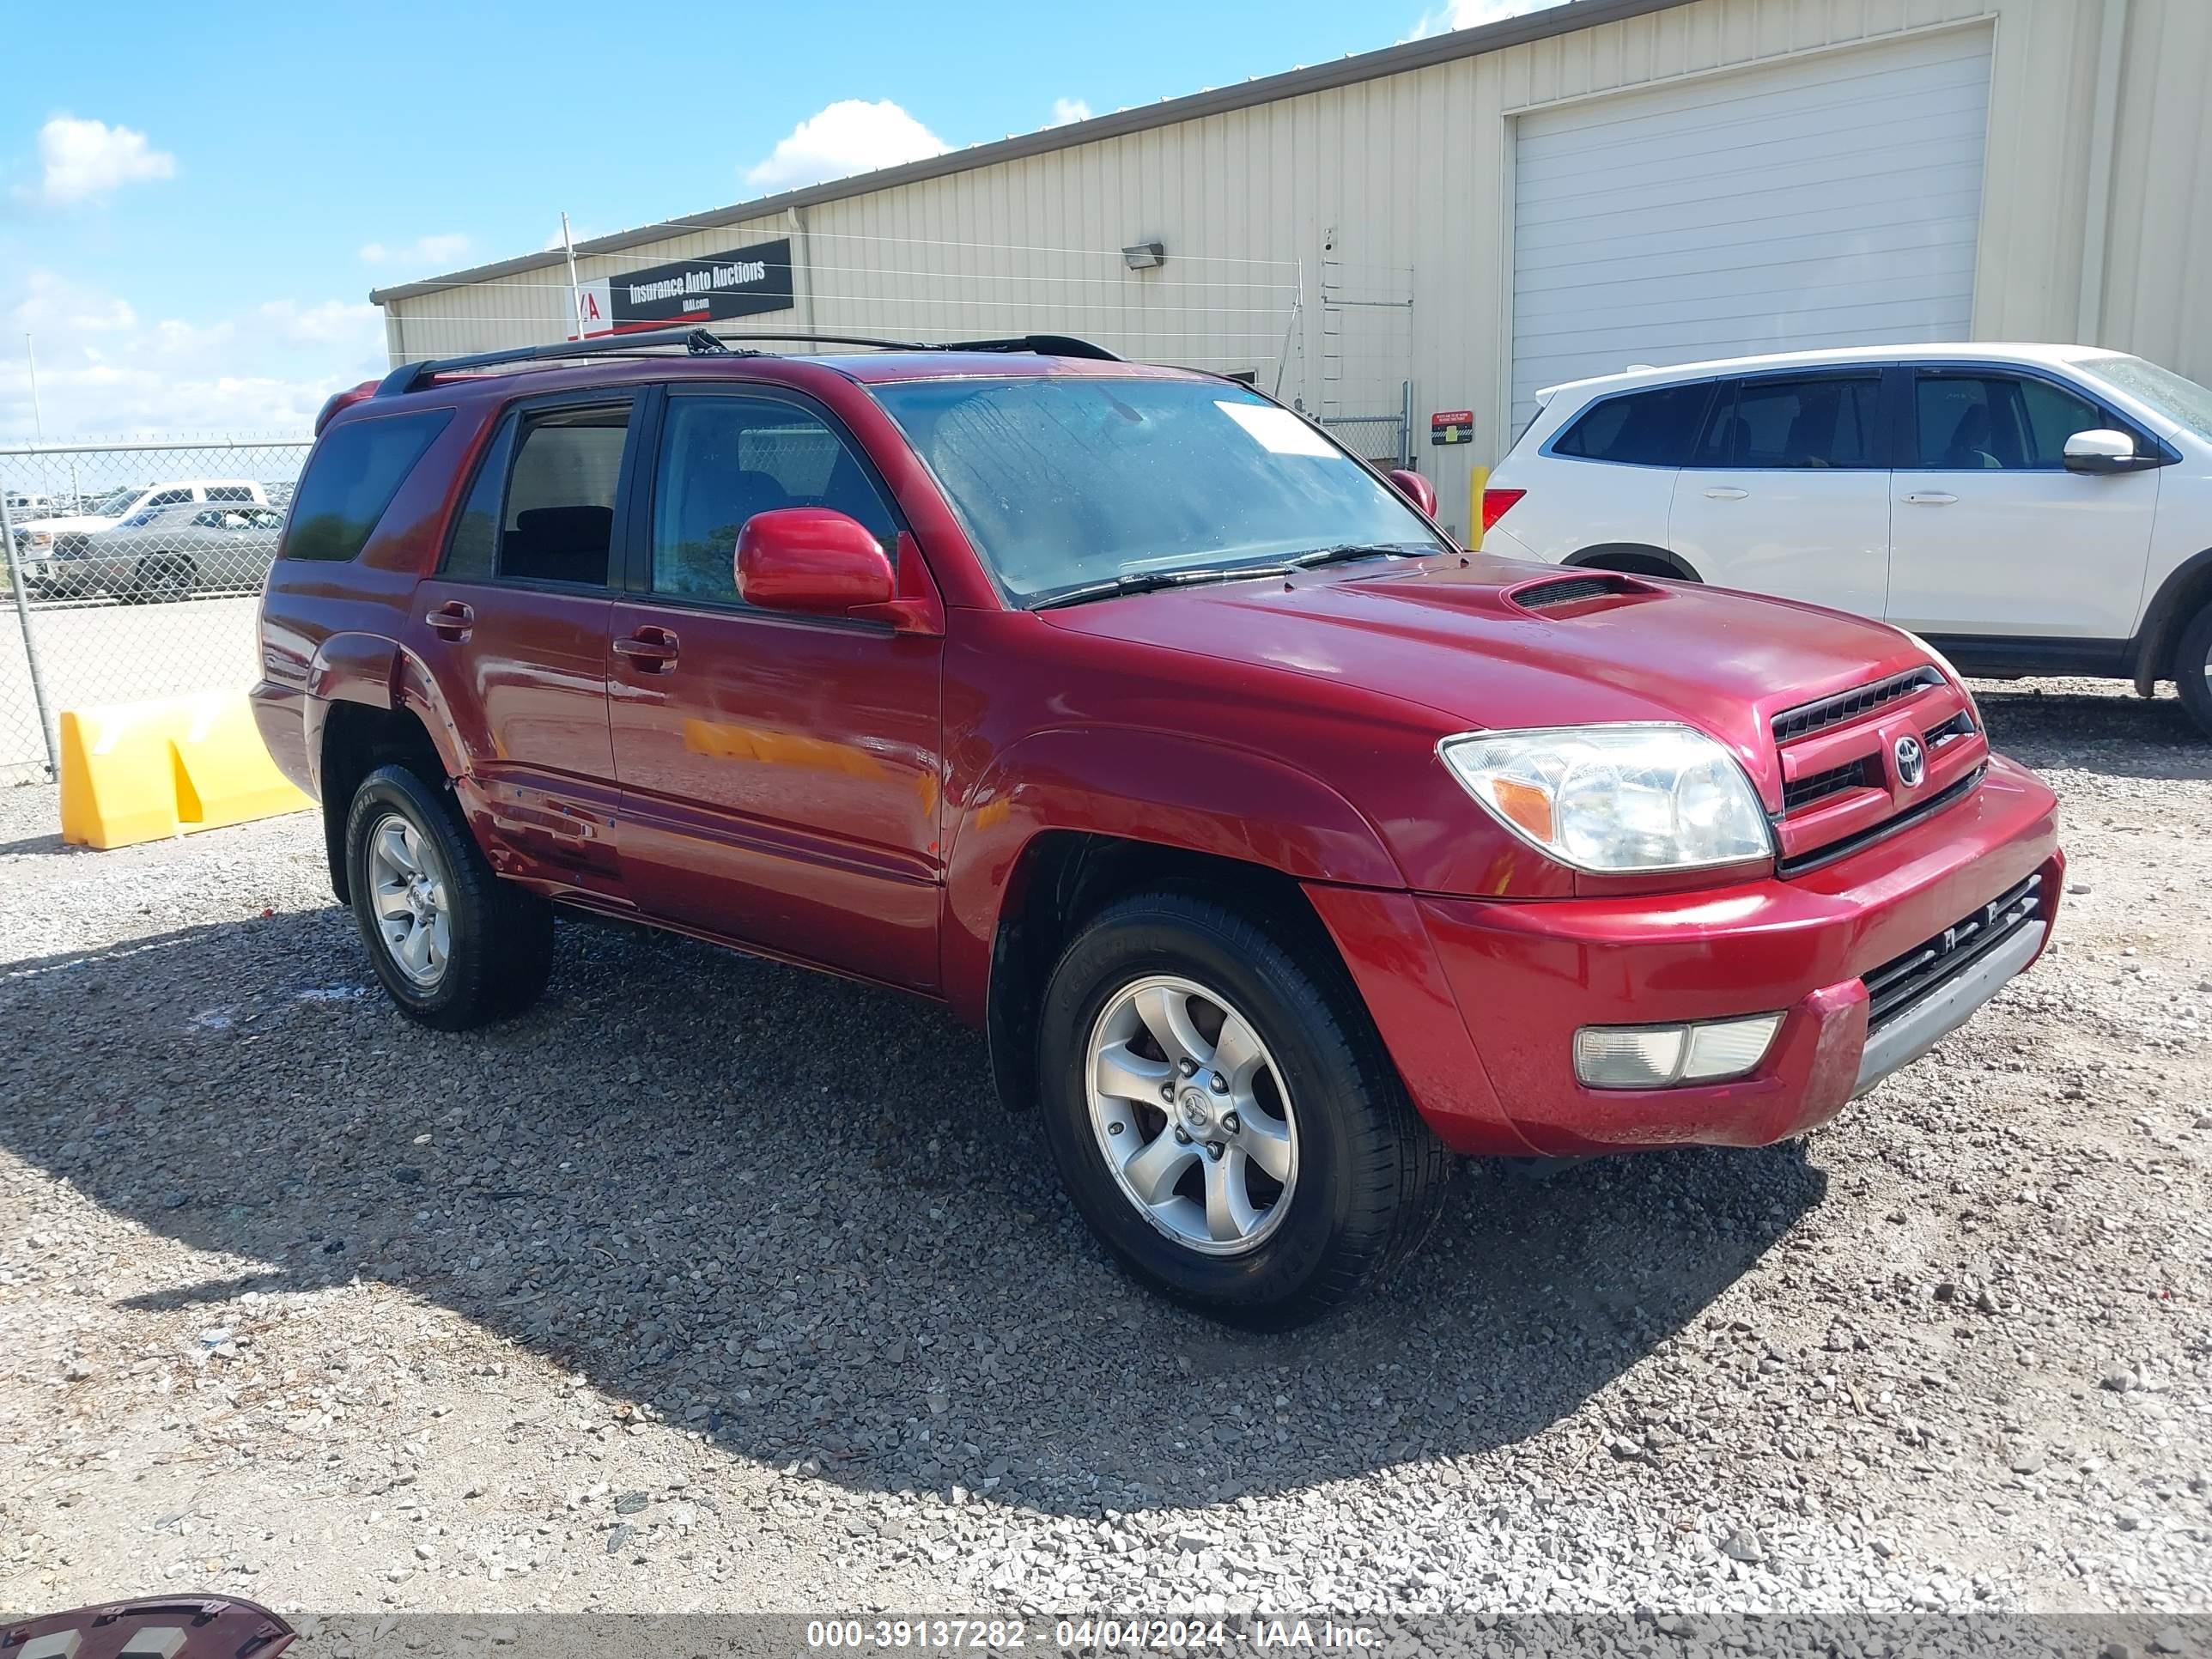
{"x":1409,"y":242}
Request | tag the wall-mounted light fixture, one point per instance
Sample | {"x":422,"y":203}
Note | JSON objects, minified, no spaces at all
{"x":1145,"y":256}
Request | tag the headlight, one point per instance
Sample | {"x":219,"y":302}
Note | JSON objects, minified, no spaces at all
{"x":39,"y":537}
{"x":1616,"y":800}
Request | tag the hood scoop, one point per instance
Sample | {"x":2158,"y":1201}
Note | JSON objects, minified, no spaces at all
{"x":1581,"y":593}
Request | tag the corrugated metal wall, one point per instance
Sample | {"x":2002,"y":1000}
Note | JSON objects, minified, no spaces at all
{"x":1402,"y":186}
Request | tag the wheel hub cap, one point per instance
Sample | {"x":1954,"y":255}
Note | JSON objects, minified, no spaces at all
{"x":1191,"y":1116}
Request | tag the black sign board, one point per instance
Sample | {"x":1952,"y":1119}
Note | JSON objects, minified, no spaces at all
{"x":713,"y":287}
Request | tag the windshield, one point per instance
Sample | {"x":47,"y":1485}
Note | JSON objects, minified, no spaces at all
{"x":1064,"y":484}
{"x":2176,"y":397}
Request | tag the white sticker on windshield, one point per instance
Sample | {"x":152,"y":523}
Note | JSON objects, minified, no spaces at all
{"x":1276,"y":430}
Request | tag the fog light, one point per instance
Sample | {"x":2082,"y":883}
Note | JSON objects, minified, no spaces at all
{"x":1628,"y":1057}
{"x":1727,"y":1047}
{"x":1661,"y":1056}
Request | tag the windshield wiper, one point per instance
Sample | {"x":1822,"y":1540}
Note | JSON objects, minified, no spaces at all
{"x":1144,"y":582}
{"x":1346,"y":552}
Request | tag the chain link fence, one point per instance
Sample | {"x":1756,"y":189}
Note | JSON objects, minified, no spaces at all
{"x":132,"y":571}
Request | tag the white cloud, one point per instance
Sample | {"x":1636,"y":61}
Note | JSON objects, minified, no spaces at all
{"x":848,"y":137}
{"x":1067,"y":110}
{"x":83,"y":161}
{"x":1472,"y":14}
{"x":104,"y":371}
{"x":422,"y":252}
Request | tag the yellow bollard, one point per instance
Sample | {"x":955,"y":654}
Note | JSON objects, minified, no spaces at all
{"x":144,"y":771}
{"x":1478,"y":480}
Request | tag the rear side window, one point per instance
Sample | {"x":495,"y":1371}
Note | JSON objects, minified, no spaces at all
{"x":230,"y":493}
{"x":352,"y":478}
{"x":1639,"y":429}
{"x":1827,"y":423}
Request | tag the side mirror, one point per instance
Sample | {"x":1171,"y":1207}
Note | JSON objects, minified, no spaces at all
{"x":2103,"y":450}
{"x":810,"y":559}
{"x":1415,"y":489}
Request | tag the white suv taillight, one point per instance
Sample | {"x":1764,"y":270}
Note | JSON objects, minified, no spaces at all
{"x":1497,"y":504}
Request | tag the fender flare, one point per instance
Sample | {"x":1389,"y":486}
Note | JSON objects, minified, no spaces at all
{"x":1678,"y":566}
{"x":350,"y":667}
{"x":1163,"y":788}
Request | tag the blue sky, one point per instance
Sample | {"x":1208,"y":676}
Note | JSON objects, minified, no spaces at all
{"x":192,"y":213}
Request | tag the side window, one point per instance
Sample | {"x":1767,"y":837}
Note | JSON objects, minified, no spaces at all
{"x":230,"y":493}
{"x":723,"y":459}
{"x":1720,"y":438}
{"x":262,"y":519}
{"x":169,"y":497}
{"x":559,"y":521}
{"x":1827,"y":423}
{"x":1979,"y":423}
{"x":212,"y":521}
{"x":1639,"y":429}
{"x":352,"y":478}
{"x":469,"y":555}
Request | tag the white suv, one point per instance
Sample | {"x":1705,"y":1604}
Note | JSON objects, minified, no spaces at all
{"x":2031,"y":509}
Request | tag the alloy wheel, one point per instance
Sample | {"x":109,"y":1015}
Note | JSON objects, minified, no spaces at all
{"x":408,"y":891}
{"x":1192,"y":1115}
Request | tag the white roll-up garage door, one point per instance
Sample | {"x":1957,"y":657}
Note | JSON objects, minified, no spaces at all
{"x":1833,"y":200}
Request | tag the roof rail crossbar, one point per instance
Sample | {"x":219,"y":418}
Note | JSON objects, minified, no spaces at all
{"x":1045,"y":345}
{"x":408,"y":377}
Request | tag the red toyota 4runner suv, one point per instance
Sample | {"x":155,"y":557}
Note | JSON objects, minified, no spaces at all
{"x":1282,"y":848}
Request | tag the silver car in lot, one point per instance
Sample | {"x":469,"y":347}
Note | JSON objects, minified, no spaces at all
{"x":163,"y":554}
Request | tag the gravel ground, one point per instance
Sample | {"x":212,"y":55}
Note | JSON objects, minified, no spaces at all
{"x":714,"y":1284}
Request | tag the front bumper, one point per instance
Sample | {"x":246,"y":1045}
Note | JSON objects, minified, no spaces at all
{"x":1478,"y":1000}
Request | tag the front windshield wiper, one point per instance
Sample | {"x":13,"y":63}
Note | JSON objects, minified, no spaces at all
{"x":1346,"y":552}
{"x":1144,"y":582}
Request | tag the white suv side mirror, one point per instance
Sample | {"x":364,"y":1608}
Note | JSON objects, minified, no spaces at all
{"x":2103,"y":450}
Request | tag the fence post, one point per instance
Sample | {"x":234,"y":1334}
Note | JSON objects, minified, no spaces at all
{"x":1406,"y":423}
{"x":30,"y":640}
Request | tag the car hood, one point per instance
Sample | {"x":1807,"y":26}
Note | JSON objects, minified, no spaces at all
{"x":1476,"y":643}
{"x":82,"y":524}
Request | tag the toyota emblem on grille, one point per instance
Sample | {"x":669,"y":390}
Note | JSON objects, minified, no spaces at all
{"x":1911,"y":762}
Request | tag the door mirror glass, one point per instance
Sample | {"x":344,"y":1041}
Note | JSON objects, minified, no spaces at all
{"x":810,"y":559}
{"x":1415,"y":489}
{"x":2100,"y":450}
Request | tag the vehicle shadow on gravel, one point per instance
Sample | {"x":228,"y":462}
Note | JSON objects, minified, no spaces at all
{"x":788,"y":1212}
{"x":2109,"y":731}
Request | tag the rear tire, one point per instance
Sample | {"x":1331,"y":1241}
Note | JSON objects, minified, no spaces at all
{"x":1255,"y":1227}
{"x":162,"y":579}
{"x":1634,"y":564}
{"x":453,"y":945}
{"x":2192,"y":669}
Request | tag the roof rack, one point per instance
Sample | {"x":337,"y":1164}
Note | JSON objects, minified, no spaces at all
{"x":707,"y":342}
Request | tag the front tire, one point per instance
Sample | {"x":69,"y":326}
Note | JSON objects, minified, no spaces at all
{"x":453,"y":945}
{"x":1223,"y":1113}
{"x":2192,"y":669}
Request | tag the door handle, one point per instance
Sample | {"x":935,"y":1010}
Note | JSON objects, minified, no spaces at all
{"x":1931,"y":498}
{"x":451,"y":620}
{"x":651,"y":649}
{"x":1726,"y":493}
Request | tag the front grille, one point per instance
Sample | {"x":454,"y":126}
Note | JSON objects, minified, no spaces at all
{"x":1960,"y":725}
{"x":1896,"y":985}
{"x":1806,"y":718}
{"x":1863,"y":773}
{"x":1572,"y":591}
